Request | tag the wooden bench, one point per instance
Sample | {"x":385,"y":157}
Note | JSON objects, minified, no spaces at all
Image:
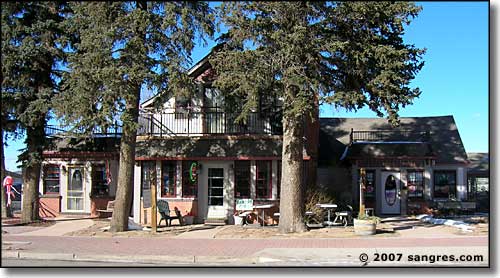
{"x":109,"y":209}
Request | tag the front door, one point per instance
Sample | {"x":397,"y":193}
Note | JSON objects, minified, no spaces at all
{"x":390,"y":199}
{"x":216,"y":178}
{"x":75,"y":190}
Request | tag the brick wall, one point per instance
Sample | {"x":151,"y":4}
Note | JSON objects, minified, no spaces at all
{"x":50,"y":206}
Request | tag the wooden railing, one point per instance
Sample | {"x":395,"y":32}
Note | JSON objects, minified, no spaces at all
{"x":389,"y":135}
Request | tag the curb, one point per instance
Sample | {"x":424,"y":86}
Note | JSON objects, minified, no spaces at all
{"x":143,"y":259}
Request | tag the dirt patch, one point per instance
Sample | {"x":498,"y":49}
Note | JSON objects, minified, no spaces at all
{"x":236,"y":231}
{"x":14,"y":226}
{"x":98,"y":229}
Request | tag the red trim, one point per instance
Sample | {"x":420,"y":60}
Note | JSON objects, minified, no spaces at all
{"x":205,"y":158}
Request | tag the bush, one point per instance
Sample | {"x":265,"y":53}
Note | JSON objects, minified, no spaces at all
{"x":317,"y":196}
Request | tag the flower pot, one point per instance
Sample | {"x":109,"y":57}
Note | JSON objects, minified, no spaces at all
{"x":238,"y":220}
{"x":188,"y":220}
{"x":365,"y":227}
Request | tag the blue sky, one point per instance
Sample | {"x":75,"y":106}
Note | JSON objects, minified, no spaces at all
{"x":454,"y":80}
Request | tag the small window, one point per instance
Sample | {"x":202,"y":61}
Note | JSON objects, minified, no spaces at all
{"x":99,"y":181}
{"x":415,"y":184}
{"x":445,"y":185}
{"x":168,"y":178}
{"x":263,"y":184}
{"x":189,"y":179}
{"x":242,"y":179}
{"x":51,"y":179}
{"x":370,"y":184}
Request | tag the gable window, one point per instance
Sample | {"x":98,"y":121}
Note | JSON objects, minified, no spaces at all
{"x":168,"y":178}
{"x":99,"y":181}
{"x":51,"y":179}
{"x":445,"y":185}
{"x":415,"y":184}
{"x":263,"y":184}
{"x":242,"y":179}
{"x":370,"y":184}
{"x":189,"y":179}
{"x":213,"y":99}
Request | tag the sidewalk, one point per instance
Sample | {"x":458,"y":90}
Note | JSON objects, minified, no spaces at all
{"x":225,"y":252}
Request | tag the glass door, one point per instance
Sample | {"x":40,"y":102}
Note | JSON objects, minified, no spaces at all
{"x":75,"y":190}
{"x":215,"y":186}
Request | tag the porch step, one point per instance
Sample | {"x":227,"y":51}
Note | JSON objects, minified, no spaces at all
{"x":215,"y":221}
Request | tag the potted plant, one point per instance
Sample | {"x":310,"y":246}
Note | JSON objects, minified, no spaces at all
{"x":238,"y":220}
{"x":366,"y":225}
{"x":188,"y":218}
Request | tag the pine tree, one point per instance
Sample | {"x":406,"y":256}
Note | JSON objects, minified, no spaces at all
{"x":124,"y":47}
{"x":349,"y":54}
{"x":30,"y":55}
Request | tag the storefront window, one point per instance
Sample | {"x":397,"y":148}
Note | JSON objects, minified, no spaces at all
{"x":279,"y":179}
{"x":445,"y":184}
{"x":148,"y":172}
{"x":99,"y":181}
{"x":51,"y":179}
{"x":168,"y":178}
{"x":242,"y":179}
{"x":370,"y":184}
{"x":415,"y":184}
{"x":189,"y":179}
{"x":263,"y":179}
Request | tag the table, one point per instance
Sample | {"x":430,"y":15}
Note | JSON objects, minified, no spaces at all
{"x":329,"y":207}
{"x":263,"y":208}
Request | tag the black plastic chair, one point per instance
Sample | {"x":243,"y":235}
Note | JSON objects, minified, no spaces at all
{"x":164,"y":211}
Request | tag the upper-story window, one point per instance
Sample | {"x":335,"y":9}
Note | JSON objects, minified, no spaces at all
{"x":213,"y":99}
{"x":445,"y":184}
{"x":51,"y":179}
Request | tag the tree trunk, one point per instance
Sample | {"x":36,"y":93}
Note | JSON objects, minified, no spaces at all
{"x":125,"y":188}
{"x":31,"y":172}
{"x":292,"y":187}
{"x":5,"y":210}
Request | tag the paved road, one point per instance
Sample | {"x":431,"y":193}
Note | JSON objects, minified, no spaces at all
{"x":56,"y":263}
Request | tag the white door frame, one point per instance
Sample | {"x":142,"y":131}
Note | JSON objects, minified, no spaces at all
{"x":390,"y":196}
{"x":70,"y":173}
{"x":215,"y":211}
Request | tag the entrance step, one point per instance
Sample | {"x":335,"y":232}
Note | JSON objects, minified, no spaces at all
{"x":215,"y":221}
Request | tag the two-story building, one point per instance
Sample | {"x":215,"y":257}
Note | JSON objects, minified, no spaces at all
{"x":202,"y":161}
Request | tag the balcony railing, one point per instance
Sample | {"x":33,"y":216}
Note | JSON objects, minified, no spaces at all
{"x":206,"y":123}
{"x":68,"y":131}
{"x":389,"y":135}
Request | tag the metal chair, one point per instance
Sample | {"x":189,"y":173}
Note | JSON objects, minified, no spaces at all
{"x":344,"y":217}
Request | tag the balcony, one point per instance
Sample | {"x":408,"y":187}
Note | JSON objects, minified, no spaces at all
{"x":68,"y":131}
{"x":191,"y":123}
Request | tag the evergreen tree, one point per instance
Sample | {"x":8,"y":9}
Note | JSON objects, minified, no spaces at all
{"x":349,"y":54}
{"x":124,"y":47}
{"x":30,"y":57}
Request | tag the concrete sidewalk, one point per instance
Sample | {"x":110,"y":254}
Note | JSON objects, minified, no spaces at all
{"x":61,"y":228}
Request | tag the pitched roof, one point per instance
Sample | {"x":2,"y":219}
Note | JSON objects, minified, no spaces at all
{"x":444,"y":140}
{"x":479,"y":162}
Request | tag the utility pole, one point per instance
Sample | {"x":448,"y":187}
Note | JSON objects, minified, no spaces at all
{"x":362,"y":185}
{"x":153,"y":202}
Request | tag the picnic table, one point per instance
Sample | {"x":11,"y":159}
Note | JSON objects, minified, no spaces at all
{"x":263,"y":208}
{"x":329,"y":208}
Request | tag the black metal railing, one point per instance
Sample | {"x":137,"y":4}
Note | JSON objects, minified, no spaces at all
{"x":59,"y":130}
{"x":204,"y":123}
{"x":389,"y":135}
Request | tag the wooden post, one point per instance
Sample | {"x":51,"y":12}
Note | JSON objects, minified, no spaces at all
{"x":362,"y":185}
{"x":153,"y":202}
